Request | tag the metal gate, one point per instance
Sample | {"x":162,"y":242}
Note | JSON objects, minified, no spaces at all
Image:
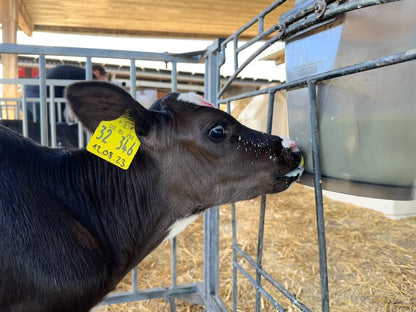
{"x":308,"y":15}
{"x":207,"y":292}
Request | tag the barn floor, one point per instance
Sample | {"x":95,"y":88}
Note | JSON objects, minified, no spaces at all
{"x":371,"y":259}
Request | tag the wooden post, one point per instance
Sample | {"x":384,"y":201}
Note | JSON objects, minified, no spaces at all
{"x":13,"y":15}
{"x":9,"y":22}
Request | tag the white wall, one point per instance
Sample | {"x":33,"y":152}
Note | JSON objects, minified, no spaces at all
{"x":393,"y":209}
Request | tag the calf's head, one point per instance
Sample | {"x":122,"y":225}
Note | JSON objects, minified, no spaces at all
{"x":204,"y":156}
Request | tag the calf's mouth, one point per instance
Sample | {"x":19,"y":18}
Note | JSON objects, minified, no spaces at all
{"x":284,"y":181}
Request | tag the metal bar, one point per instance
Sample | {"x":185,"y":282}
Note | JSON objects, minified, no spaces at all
{"x":59,"y":111}
{"x":254,"y":20}
{"x":133,"y":80}
{"x":292,"y":29}
{"x":234,"y":243}
{"x":213,"y":303}
{"x":260,"y":241}
{"x":259,"y":37}
{"x":333,"y":10}
{"x":393,"y":59}
{"x":88,"y":68}
{"x":235,"y":41}
{"x":43,"y":114}
{"x":211,"y":252}
{"x":260,"y":22}
{"x":260,"y":289}
{"x":25,"y":126}
{"x":174,"y":78}
{"x":153,"y":293}
{"x":263,"y":212}
{"x":171,"y":301}
{"x":193,"y":57}
{"x":174,"y":264}
{"x":273,"y":282}
{"x":318,"y":196}
{"x":234,"y":230}
{"x":52,"y":116}
{"x":211,"y":216}
{"x":133,"y":93}
{"x":298,"y":12}
{"x":174,"y":248}
{"x":267,"y":44}
{"x":270,"y":113}
{"x":35,"y":81}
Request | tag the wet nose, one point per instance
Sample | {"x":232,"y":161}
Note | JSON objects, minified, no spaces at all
{"x":288,"y":143}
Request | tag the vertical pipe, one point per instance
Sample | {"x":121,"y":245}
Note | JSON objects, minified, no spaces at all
{"x":25,"y":127}
{"x":235,"y":53}
{"x":88,"y":68}
{"x":133,"y":81}
{"x":234,"y":230}
{"x":211,"y":216}
{"x":134,"y":272}
{"x":35,"y":111}
{"x":174,"y":77}
{"x":174,"y":272}
{"x":43,"y":109}
{"x":270,"y":113}
{"x":52,"y":115}
{"x":318,"y":195}
{"x":263,"y":211}
{"x":174,"y":88}
{"x":234,"y":233}
{"x":174,"y":249}
{"x":58,"y":106}
{"x":260,"y":240}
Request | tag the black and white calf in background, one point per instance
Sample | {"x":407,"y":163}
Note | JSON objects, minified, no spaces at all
{"x":72,"y":224}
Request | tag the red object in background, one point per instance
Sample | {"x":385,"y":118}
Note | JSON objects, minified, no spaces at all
{"x":21,"y":72}
{"x":27,"y":72}
{"x":35,"y":72}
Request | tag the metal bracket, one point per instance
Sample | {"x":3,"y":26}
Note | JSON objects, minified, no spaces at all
{"x":320,"y":8}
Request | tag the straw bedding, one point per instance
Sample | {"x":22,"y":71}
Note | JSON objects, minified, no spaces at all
{"x":371,"y":259}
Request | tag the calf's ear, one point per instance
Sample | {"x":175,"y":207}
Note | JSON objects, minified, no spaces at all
{"x":95,"y":101}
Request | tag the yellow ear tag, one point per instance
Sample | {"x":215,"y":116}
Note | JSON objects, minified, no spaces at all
{"x":115,"y":141}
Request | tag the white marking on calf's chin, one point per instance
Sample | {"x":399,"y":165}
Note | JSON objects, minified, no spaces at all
{"x":294,"y":173}
{"x":180,"y":225}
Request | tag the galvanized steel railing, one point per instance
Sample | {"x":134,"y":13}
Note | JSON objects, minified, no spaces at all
{"x":206,"y":292}
{"x":193,"y":292}
{"x":311,"y":14}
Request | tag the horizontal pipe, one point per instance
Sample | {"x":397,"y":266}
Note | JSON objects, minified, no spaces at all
{"x":87,"y":52}
{"x":393,"y":59}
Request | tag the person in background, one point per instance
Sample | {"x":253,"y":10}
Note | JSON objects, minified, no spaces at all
{"x":64,"y":72}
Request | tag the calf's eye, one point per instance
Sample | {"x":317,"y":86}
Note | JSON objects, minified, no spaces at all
{"x":217,"y":133}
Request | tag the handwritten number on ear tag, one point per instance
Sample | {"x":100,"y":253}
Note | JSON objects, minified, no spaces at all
{"x":115,"y":141}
